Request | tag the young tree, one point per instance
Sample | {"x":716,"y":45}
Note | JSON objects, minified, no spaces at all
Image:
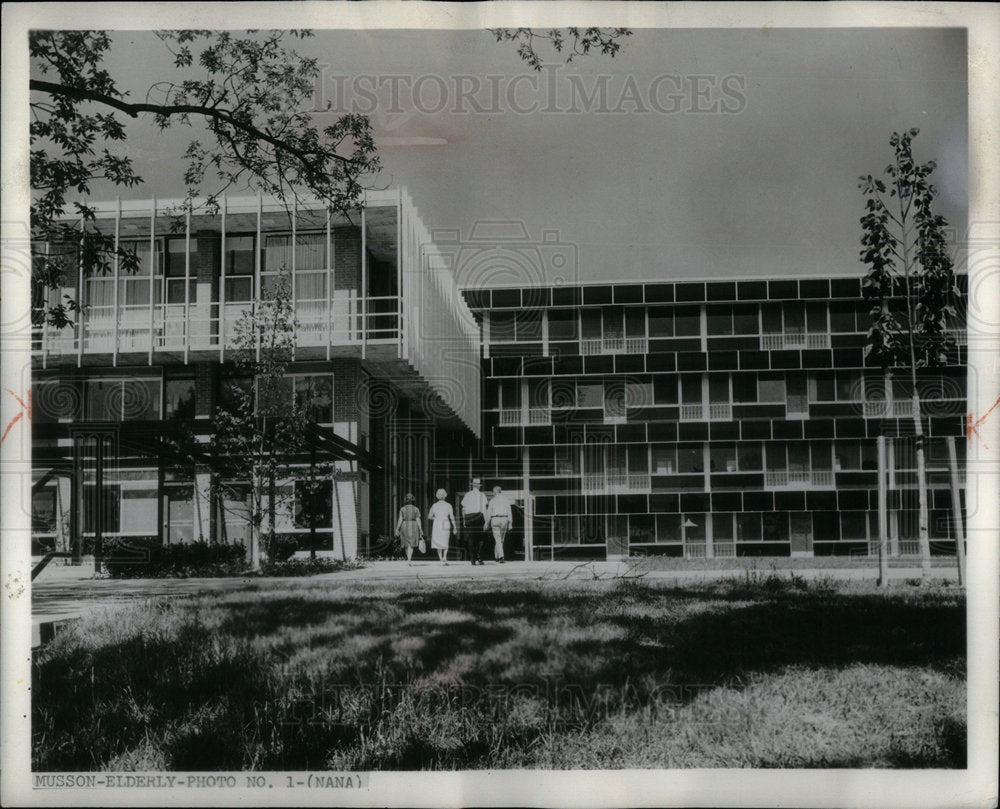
{"x":256,"y":432}
{"x":909,"y":283}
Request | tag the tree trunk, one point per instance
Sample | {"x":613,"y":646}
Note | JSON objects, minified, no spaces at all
{"x":925,"y":545}
{"x":271,"y":492}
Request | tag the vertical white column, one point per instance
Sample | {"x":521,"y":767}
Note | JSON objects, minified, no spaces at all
{"x":956,"y":509}
{"x":257,"y":284}
{"x":152,"y":273}
{"x":364,"y":279}
{"x":117,"y":274}
{"x":400,"y":246}
{"x":709,"y":545}
{"x":330,"y":280}
{"x":203,"y":499}
{"x":525,"y":405}
{"x":187,"y":284}
{"x":545,"y":332}
{"x":81,"y":329}
{"x":222,"y":285}
{"x":529,"y":506}
{"x":704,"y":327}
{"x":894,"y":514}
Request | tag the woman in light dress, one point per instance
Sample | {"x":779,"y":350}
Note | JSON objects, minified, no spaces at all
{"x":442,"y":518}
{"x":408,"y":527}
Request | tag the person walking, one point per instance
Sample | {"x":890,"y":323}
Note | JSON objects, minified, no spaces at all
{"x":442,"y":518}
{"x":474,"y":520}
{"x":499,"y":517}
{"x":408,"y":527}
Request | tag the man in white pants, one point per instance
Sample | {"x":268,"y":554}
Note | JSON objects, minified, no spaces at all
{"x":499,"y":517}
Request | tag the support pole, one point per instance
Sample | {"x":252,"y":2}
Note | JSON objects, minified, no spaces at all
{"x":883,"y":534}
{"x":956,"y":510}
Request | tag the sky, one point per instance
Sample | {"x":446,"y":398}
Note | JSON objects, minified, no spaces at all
{"x":710,"y":154}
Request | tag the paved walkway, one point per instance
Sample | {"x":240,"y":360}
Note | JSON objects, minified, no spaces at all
{"x":64,"y":592}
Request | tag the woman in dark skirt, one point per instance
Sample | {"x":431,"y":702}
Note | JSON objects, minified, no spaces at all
{"x":408,"y":527}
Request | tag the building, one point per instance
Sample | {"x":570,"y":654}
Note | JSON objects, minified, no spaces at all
{"x":716,"y":418}
{"x":702,"y":419}
{"x":383,"y":341}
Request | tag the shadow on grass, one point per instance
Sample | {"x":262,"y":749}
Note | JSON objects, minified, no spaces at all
{"x":214,"y":698}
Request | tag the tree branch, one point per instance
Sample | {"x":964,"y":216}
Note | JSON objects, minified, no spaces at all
{"x":133,"y":110}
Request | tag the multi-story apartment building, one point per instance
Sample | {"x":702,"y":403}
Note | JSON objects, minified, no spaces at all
{"x":383,"y":341}
{"x":714,"y":418}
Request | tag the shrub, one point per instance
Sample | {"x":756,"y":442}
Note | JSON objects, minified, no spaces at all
{"x":146,"y":557}
{"x":308,"y":567}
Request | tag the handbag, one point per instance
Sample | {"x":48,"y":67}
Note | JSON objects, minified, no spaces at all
{"x":422,"y":545}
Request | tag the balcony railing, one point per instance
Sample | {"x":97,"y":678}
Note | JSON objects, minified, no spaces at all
{"x":692,"y":412}
{"x":176,"y":327}
{"x":617,"y":482}
{"x":725,"y":550}
{"x":539,"y":416}
{"x":720,"y":411}
{"x":614,"y":345}
{"x":510,"y":417}
{"x":798,"y":478}
{"x":771,"y":342}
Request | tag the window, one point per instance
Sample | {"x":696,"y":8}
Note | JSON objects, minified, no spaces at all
{"x":528,"y":326}
{"x":502,"y":327}
{"x":794,"y":316}
{"x":816,"y":318}
{"x":563,"y":392}
{"x":687,"y":321}
{"x":722,"y":527}
{"x":589,"y":394}
{"x":590,"y":324}
{"x":664,"y":460}
{"x":641,"y":528}
{"x":848,"y":386}
{"x":635,"y":321}
{"x":748,"y":527}
{"x":718,"y":388}
{"x":853,"y":525}
{"x":770,"y":388}
{"x":116,"y":399}
{"x":111,"y":511}
{"x":614,"y":400}
{"x":690,"y":460}
{"x":720,"y":320}
{"x":745,"y":319}
{"x":178,"y":256}
{"x":842,"y":317}
{"x":775,"y":526}
{"x":825,"y":386}
{"x":691,"y":389}
{"x":665,"y":389}
{"x":179,"y":399}
{"x":744,"y":388}
{"x":613,"y":324}
{"x":723,"y":458}
{"x":847,"y":456}
{"x":510,"y":394}
{"x":233,"y":391}
{"x":239,"y":268}
{"x":313,"y":504}
{"x":661,"y":322}
{"x":43,"y":511}
{"x":771,"y":318}
{"x":775,"y":455}
{"x":638,"y":394}
{"x":567,"y":459}
{"x":315,"y":392}
{"x":562,"y":324}
{"x":668,"y":527}
{"x":750,"y":457}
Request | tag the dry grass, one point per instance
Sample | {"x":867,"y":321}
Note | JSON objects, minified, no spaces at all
{"x":752,"y":672}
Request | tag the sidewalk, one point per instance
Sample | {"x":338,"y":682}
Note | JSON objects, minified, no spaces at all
{"x":63,"y":593}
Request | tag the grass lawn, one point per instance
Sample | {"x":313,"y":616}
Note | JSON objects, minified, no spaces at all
{"x":748,"y":672}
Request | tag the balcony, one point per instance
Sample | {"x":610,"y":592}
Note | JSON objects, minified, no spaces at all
{"x":515,"y":417}
{"x":617,"y":483}
{"x":716,"y":411}
{"x":793,"y":340}
{"x":404,"y":315}
{"x":798,"y":478}
{"x":614,"y":345}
